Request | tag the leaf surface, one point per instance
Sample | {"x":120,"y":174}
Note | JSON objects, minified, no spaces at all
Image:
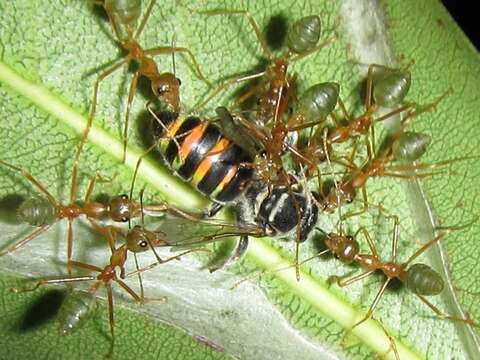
{"x":49,"y":60}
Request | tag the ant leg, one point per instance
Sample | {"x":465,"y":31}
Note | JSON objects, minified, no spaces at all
{"x":69,"y":246}
{"x":315,"y":49}
{"x":399,"y":110}
{"x":162,"y":50}
{"x":244,"y":97}
{"x":396,"y":232}
{"x":343,"y":283}
{"x":145,"y":18}
{"x":20,"y":243}
{"x":253,"y":23}
{"x":424,"y":248}
{"x":54,"y":281}
{"x":93,"y":109}
{"x":444,"y":316}
{"x":111,"y":319}
{"x":422,"y":166}
{"x":364,"y":208}
{"x":107,"y":232}
{"x":140,"y":281}
{"x":374,"y":304}
{"x":425,"y":108}
{"x":369,"y":90}
{"x":34,"y":181}
{"x":393,"y":346}
{"x":131,"y":95}
{"x":86,"y":266}
{"x":225,"y":85}
{"x":129,"y":290}
{"x":93,"y":183}
{"x":369,"y":239}
{"x":91,"y":187}
{"x":344,"y":111}
{"x":155,"y":264}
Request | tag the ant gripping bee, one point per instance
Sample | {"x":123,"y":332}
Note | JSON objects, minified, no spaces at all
{"x":420,"y":279}
{"x":43,"y":212}
{"x":80,"y":306}
{"x":123,"y":16}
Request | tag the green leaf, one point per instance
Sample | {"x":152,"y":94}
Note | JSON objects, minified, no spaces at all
{"x":50,"y":55}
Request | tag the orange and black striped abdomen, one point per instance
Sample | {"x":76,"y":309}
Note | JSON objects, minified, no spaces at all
{"x":199,"y":153}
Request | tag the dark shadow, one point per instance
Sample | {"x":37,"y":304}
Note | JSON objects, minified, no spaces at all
{"x":144,"y":86}
{"x":99,"y":12}
{"x":276,"y":31}
{"x":42,"y":310}
{"x":327,"y":186}
{"x":395,"y":285}
{"x":318,"y":241}
{"x":8,"y":208}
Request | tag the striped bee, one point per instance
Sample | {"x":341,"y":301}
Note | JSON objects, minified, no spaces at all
{"x":198,"y":152}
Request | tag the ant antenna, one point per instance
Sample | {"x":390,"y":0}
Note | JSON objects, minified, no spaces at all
{"x":159,"y":259}
{"x":141,"y":206}
{"x":337,"y":193}
{"x":174,"y":40}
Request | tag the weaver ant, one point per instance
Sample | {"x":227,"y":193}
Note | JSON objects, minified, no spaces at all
{"x":79,"y":307}
{"x":418,"y":278}
{"x":46,"y":210}
{"x":123,"y":16}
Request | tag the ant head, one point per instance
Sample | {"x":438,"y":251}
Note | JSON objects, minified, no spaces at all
{"x":343,"y":247}
{"x":140,"y":239}
{"x":166,"y":89}
{"x":120,"y":208}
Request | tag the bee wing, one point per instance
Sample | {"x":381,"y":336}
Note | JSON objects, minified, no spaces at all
{"x":181,"y":232}
{"x":233,"y":128}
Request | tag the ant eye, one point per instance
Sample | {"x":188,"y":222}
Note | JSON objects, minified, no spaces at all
{"x":143,"y":244}
{"x":124,"y":197}
{"x":162,"y":89}
{"x":124,"y":219}
{"x":179,"y":81}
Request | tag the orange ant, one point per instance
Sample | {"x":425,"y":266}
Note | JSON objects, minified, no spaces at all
{"x":43,"y":212}
{"x":123,"y":17}
{"x":81,"y":306}
{"x":419,"y":278}
{"x":274,"y":94}
{"x":406,"y":146}
{"x":386,"y":87}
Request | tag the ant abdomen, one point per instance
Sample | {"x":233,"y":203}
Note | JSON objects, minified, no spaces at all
{"x":423,"y":280}
{"x":319,"y":100}
{"x":77,"y":308}
{"x":410,"y":145}
{"x":304,"y":34}
{"x":391,"y":86}
{"x":37,"y":211}
{"x":125,"y":12}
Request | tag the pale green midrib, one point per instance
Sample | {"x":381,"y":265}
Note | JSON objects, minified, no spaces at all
{"x":311,"y":290}
{"x":149,"y":171}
